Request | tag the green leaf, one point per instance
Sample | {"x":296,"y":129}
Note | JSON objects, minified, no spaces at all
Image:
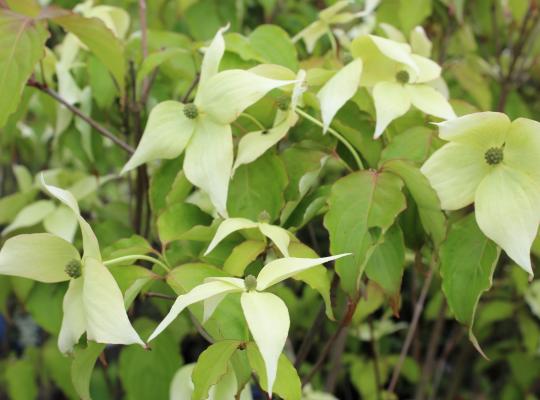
{"x":318,"y":278}
{"x":211,"y":366}
{"x":82,"y":366}
{"x":413,"y":13}
{"x":154,"y":60}
{"x":21,"y":380}
{"x":471,"y":80}
{"x":273,"y":44}
{"x":287,"y":383}
{"x":58,"y":367}
{"x":386,"y":264}
{"x":44,"y":303}
{"x":429,"y":208}
{"x":468,"y":260}
{"x":126,"y":275}
{"x":124,"y":247}
{"x":178,"y":219}
{"x":243,"y":255}
{"x":415,"y":144}
{"x":22,"y":41}
{"x":362,"y":206}
{"x":147,"y":374}
{"x":258,"y":187}
{"x":11,"y":205}
{"x":100,"y":40}
{"x":161,"y":182}
{"x":31,"y":215}
{"x":101,"y":83}
{"x":362,"y":373}
{"x":26,"y":7}
{"x":180,"y":189}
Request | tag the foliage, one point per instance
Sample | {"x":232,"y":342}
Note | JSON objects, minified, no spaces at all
{"x":166,"y":167}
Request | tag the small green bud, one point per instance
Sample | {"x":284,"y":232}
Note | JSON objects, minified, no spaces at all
{"x":264,"y":217}
{"x":283,"y":102}
{"x":494,"y":155}
{"x":190,"y":111}
{"x":250,"y":282}
{"x":403,"y":77}
{"x":74,"y":269}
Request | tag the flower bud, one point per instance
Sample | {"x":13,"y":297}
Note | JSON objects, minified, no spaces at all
{"x":494,"y":155}
{"x":250,"y":282}
{"x":73,"y":269}
{"x":264,"y":217}
{"x":403,"y":77}
{"x":283,"y":102}
{"x":191,"y":111}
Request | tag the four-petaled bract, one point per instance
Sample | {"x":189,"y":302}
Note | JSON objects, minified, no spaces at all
{"x":93,"y":302}
{"x":266,"y":314}
{"x":494,"y":163}
{"x":202,"y":129}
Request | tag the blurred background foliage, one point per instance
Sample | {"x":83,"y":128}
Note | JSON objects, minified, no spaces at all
{"x":489,"y":50}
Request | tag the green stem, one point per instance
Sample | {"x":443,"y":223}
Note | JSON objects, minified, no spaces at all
{"x":137,"y":257}
{"x":254,"y":120}
{"x":336,"y":134}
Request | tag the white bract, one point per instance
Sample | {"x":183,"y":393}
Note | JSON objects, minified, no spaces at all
{"x":333,"y":15}
{"x":276,"y":234}
{"x":118,"y":21}
{"x":397,"y":78}
{"x":56,"y":219}
{"x":494,"y":163}
{"x":266,"y":314}
{"x":93,"y":302}
{"x":254,"y":144}
{"x":202,"y":128}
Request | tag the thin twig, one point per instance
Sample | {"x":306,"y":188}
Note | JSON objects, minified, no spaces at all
{"x":160,"y":296}
{"x":146,"y":89}
{"x":201,"y":329}
{"x":144,"y":39}
{"x":336,"y":361}
{"x":508,"y":80}
{"x":454,"y":339}
{"x":429,"y":361}
{"x":99,"y":128}
{"x":191,"y":87}
{"x":345,"y":321}
{"x":142,"y":175}
{"x":375,"y":351}
{"x":313,"y":331}
{"x":419,"y":307}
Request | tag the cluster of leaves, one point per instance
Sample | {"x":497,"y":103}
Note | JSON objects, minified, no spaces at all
{"x":205,"y":151}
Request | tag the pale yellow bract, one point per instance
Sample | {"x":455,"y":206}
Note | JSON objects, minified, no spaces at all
{"x":506,"y":194}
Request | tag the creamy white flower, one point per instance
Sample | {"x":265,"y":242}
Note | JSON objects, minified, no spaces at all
{"x":329,"y":17}
{"x":266,"y":314}
{"x":494,"y":163}
{"x":93,"y":302}
{"x":202,"y":128}
{"x":276,"y":234}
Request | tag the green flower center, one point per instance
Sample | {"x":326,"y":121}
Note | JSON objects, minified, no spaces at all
{"x":250,"y":282}
{"x":264,"y":217}
{"x":73,"y":269}
{"x":191,"y":111}
{"x":403,"y":77}
{"x":494,"y":155}
{"x":283,"y":102}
